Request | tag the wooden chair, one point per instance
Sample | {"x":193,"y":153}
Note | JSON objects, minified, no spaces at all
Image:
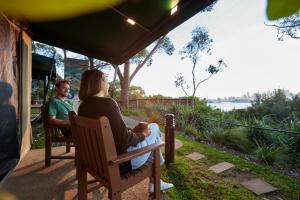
{"x":53,"y":134}
{"x":96,"y":154}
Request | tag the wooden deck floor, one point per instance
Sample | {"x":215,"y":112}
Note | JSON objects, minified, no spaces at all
{"x":32,"y":181}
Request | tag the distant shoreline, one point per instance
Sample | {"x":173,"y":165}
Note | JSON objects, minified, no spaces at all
{"x":229,"y":105}
{"x":233,"y":101}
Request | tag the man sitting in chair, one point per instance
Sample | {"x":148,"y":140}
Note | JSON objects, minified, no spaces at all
{"x":59,"y":107}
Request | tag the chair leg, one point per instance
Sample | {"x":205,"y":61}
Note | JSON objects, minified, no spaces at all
{"x":156,"y":175}
{"x":76,"y":164}
{"x":114,"y":195}
{"x":47,"y":151}
{"x":82,"y":183}
{"x":68,"y":148}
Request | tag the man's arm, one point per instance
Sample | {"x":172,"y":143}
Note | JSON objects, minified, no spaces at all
{"x":53,"y":121}
{"x":52,"y":112}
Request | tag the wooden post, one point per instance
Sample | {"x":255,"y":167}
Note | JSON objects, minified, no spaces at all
{"x":169,"y":139}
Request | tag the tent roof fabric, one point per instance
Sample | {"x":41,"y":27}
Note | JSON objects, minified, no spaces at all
{"x":107,"y":36}
{"x":41,"y":66}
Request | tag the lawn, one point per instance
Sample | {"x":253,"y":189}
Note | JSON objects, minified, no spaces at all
{"x":193,"y":180}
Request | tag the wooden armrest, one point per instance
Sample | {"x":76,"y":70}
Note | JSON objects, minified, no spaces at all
{"x":131,"y":155}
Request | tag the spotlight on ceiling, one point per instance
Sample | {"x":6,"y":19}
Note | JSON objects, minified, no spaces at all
{"x":174,"y":9}
{"x":130,"y":21}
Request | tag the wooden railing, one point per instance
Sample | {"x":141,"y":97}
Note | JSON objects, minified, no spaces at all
{"x":169,"y":140}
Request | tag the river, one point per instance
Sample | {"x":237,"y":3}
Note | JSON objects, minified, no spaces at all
{"x":227,"y":106}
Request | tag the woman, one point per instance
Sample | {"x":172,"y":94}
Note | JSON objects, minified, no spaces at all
{"x":95,"y":103}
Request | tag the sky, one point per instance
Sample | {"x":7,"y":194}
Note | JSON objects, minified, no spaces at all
{"x":257,"y":61}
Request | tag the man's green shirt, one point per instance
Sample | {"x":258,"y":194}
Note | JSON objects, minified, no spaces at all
{"x":59,"y":108}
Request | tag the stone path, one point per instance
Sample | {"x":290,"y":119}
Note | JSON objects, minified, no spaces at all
{"x":258,"y":186}
{"x":195,"y":156}
{"x":221,"y":167}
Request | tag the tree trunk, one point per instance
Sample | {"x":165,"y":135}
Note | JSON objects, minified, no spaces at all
{"x":91,"y":60}
{"x":125,"y":86}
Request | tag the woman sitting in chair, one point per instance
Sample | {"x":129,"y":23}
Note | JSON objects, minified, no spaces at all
{"x":95,"y":103}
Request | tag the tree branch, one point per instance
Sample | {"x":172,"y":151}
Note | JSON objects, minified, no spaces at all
{"x":203,"y":80}
{"x":295,"y":37}
{"x":277,"y":26}
{"x":182,"y":87}
{"x":147,"y":57}
{"x":118,"y":72}
{"x":194,"y":78}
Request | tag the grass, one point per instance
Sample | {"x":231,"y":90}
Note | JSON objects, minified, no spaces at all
{"x":38,"y":136}
{"x":193,"y":180}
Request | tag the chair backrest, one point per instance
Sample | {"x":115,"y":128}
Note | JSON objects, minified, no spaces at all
{"x":44,"y":111}
{"x":51,"y":130}
{"x":95,"y":147}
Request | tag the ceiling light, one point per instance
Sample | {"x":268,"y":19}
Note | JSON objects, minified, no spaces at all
{"x":130,"y":21}
{"x":174,"y":3}
{"x":174,"y":9}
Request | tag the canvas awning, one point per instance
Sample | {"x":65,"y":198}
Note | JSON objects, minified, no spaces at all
{"x":42,"y":66}
{"x":107,"y":36}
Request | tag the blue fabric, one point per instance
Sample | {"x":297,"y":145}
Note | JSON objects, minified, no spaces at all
{"x":151,"y":139}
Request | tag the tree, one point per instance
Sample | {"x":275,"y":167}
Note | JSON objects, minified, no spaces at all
{"x":49,"y":51}
{"x":288,"y":26}
{"x":200,"y":42}
{"x":96,"y":64}
{"x":162,"y":45}
{"x":134,"y":92}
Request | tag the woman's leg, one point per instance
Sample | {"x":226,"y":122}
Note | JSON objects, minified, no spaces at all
{"x":151,"y":139}
{"x":156,"y":137}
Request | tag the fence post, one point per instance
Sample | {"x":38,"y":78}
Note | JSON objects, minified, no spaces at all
{"x":169,"y":139}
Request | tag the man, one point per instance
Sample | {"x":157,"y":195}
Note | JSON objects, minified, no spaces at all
{"x":59,"y":107}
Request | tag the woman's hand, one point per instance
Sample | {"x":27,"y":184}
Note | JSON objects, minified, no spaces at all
{"x":147,"y":132}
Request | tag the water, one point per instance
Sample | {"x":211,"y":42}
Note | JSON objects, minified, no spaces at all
{"x":227,"y":106}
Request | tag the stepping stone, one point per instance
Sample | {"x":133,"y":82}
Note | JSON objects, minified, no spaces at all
{"x":258,"y":186}
{"x":195,"y":156}
{"x":218,"y":168}
{"x":178,"y":143}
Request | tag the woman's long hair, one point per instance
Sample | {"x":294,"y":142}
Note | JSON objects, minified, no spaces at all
{"x":91,"y":83}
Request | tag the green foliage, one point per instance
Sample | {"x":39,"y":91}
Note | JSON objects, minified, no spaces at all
{"x":258,"y":134}
{"x":233,"y":138}
{"x":273,"y":110}
{"x":200,"y":42}
{"x":164,"y":45}
{"x":49,"y":51}
{"x":267,"y":153}
{"x":135,"y":92}
{"x":277,"y":9}
{"x":130,"y":112}
{"x":191,"y":131}
{"x":38,"y":136}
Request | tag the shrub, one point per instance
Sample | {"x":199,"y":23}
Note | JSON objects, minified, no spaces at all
{"x":233,"y":138}
{"x":155,"y":117}
{"x":130,"y":112}
{"x":267,"y":153}
{"x":258,"y":134}
{"x":191,"y":131}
